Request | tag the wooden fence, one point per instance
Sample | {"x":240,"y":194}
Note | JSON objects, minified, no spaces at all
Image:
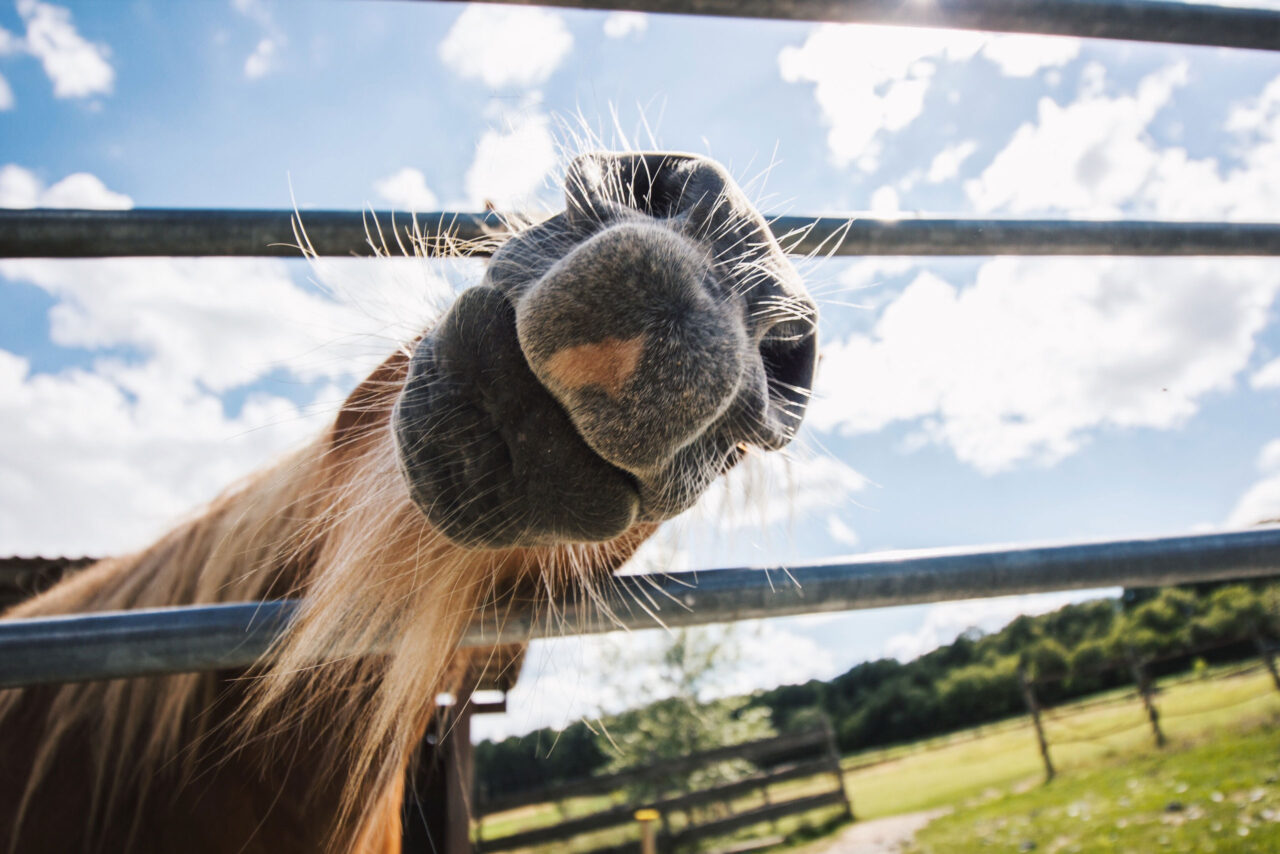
{"x":787,"y":758}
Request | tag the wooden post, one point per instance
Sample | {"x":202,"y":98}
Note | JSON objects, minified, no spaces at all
{"x":1268,"y":654}
{"x":648,"y":831}
{"x":1145,"y":692}
{"x":437,"y":805}
{"x":1033,"y":709}
{"x":833,"y":754}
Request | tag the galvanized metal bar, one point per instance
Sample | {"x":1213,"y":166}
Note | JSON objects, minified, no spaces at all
{"x":185,"y":232}
{"x":1132,"y":20}
{"x":182,"y":232}
{"x":148,"y":642}
{"x":104,"y":646}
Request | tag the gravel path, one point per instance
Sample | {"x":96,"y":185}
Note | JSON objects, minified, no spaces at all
{"x":880,"y":836}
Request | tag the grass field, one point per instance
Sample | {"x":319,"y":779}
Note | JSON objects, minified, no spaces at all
{"x":1222,"y":795}
{"x":1080,"y":737}
{"x":994,"y":772}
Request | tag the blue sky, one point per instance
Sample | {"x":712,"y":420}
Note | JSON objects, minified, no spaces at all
{"x":961,"y":401}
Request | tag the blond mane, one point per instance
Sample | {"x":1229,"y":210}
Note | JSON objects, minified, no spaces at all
{"x":332,"y":524}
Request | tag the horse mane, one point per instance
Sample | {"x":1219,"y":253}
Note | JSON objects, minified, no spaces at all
{"x":333,"y":525}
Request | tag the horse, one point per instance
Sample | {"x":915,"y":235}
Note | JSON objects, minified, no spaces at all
{"x":615,"y":359}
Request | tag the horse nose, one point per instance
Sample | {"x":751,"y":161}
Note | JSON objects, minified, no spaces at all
{"x":629,"y":332}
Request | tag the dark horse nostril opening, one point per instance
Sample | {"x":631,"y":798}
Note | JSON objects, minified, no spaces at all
{"x":789,"y":365}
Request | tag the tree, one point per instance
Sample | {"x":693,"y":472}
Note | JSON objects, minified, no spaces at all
{"x":682,"y":676}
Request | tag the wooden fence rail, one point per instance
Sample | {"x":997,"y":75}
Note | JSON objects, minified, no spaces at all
{"x":779,"y":760}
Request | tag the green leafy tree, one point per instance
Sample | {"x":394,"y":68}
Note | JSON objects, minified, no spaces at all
{"x":685,"y":673}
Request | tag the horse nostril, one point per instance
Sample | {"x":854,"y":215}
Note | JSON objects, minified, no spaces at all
{"x":789,"y":365}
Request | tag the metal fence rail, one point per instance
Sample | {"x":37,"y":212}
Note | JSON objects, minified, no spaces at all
{"x":1134,"y":20}
{"x":187,"y":232}
{"x":173,"y":640}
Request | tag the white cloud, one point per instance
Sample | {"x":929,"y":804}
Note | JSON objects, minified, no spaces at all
{"x":778,"y":490}
{"x":20,"y":188}
{"x":511,"y":166}
{"x":947,"y":162}
{"x":1261,"y":502}
{"x":506,"y":46}
{"x":1024,"y":363}
{"x":618,"y":25}
{"x":874,"y":79}
{"x":885,"y":202}
{"x":1106,"y":164}
{"x":76,"y":67}
{"x":945,"y":622}
{"x":407,"y":189}
{"x":1268,"y":376}
{"x":1101,"y":157}
{"x":265,"y":57}
{"x":1023,"y":55}
{"x":82,"y":190}
{"x":262,"y":61}
{"x":122,"y":462}
{"x":841,"y":532}
{"x":141,"y":435}
{"x":6,"y":95}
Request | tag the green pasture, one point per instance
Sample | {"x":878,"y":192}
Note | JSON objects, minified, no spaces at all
{"x":1081,"y":736}
{"x":1216,"y":792}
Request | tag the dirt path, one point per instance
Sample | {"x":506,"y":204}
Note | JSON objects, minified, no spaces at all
{"x":879,"y":836}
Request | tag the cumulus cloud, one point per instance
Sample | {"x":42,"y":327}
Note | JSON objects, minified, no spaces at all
{"x":945,"y":622}
{"x":619,"y":25}
{"x":262,"y":61}
{"x":1097,"y":144}
{"x":1268,"y":376}
{"x":407,"y":189}
{"x":1261,"y":502}
{"x":839,"y":531}
{"x":143,"y":433}
{"x":506,"y":46}
{"x":265,"y":57}
{"x":777,"y":490}
{"x":870,"y":80}
{"x":120,"y":463}
{"x":947,"y":162}
{"x":511,"y":165}
{"x":20,"y":188}
{"x":1025,"y":362}
{"x":7,"y":100}
{"x":1023,"y":55}
{"x":885,"y":202}
{"x":76,"y":67}
{"x":1106,"y":163}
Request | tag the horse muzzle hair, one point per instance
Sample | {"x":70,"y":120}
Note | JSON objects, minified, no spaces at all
{"x":615,"y":360}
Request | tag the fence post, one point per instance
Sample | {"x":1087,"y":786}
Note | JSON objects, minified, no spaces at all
{"x":1033,"y":709}
{"x":833,"y":754}
{"x":648,"y":831}
{"x":1268,"y":653}
{"x":1143,"y":682}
